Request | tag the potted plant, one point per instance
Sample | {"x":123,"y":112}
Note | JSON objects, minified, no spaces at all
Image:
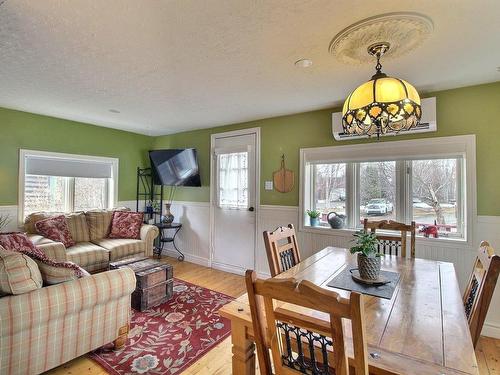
{"x":155,"y":205}
{"x":313,"y":217}
{"x":368,"y":254}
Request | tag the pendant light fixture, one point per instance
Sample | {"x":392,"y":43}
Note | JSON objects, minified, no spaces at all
{"x":383,"y":104}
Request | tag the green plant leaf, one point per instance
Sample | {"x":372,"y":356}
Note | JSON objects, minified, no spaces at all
{"x":366,"y":243}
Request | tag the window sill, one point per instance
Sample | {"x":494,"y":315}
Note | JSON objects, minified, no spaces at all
{"x":420,"y":240}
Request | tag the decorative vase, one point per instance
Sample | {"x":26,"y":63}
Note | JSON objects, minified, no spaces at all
{"x":314,"y":221}
{"x":168,"y":218}
{"x":336,"y":221}
{"x":369,"y":267}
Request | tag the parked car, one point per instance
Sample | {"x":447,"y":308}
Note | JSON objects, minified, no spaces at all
{"x":379,"y":206}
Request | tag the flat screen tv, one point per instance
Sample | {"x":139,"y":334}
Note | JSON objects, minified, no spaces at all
{"x":175,"y":167}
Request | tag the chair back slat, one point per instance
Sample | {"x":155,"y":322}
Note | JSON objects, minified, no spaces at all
{"x":393,"y":244}
{"x":282,"y":249}
{"x":479,"y":291}
{"x":296,"y":343}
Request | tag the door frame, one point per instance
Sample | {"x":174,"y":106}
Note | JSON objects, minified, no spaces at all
{"x":213,"y":164}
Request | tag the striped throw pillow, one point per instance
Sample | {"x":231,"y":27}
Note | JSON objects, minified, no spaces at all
{"x":18,"y":273}
{"x":99,"y":223}
{"x":77,"y":224}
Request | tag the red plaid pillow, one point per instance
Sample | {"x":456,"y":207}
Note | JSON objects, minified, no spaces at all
{"x":56,"y":229}
{"x":16,"y":241}
{"x":126,"y":225}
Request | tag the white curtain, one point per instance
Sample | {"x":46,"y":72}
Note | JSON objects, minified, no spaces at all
{"x":233,"y":180}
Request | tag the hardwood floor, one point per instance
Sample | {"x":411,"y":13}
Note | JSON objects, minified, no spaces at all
{"x":218,"y":360}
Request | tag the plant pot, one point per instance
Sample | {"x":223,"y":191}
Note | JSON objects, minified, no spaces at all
{"x":314,"y":221}
{"x":369,"y":267}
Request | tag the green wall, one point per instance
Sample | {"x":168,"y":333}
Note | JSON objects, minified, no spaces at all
{"x":469,"y":110}
{"x":35,"y":132}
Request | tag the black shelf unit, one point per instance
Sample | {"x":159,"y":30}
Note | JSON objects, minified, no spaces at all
{"x":147,"y":190}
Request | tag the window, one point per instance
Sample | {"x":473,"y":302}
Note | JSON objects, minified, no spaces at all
{"x":330,"y":189}
{"x":233,"y":180}
{"x":403,"y":181}
{"x":436,"y":194}
{"x":377,"y":190}
{"x":65,"y":183}
{"x":44,"y":193}
{"x":90,"y":193}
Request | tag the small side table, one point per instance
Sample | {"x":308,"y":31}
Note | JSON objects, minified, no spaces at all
{"x":164,"y":237}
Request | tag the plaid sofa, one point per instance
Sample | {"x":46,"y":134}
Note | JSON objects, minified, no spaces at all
{"x":93,"y":250}
{"x":49,"y":326}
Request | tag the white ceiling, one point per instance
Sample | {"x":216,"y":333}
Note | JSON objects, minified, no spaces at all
{"x":175,"y":65}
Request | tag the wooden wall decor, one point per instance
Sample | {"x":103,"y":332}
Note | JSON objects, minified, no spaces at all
{"x":283,"y":178}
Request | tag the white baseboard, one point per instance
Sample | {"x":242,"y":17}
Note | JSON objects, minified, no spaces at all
{"x":229,"y":268}
{"x":187,"y":257}
{"x":293,"y":209}
{"x":491,"y":330}
{"x":263,"y":275}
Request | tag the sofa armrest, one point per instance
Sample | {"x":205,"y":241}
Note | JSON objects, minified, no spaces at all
{"x":55,"y":251}
{"x":49,"y":303}
{"x":148,"y":235}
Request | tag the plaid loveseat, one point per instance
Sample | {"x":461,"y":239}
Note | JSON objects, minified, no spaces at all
{"x":93,"y":249}
{"x":49,"y":326}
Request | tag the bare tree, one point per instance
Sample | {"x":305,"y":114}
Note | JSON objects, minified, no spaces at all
{"x":432,"y":183}
{"x":332,"y":178}
{"x":378,"y":181}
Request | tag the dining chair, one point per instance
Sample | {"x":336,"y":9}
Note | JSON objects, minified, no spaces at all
{"x":295,"y":343}
{"x":282,"y":249}
{"x":479,"y":291}
{"x":393,"y":244}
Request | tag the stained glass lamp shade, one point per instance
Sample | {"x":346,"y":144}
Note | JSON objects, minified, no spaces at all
{"x":382,"y":105}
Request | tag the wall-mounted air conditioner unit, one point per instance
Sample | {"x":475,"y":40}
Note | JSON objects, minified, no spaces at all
{"x":427,"y":122}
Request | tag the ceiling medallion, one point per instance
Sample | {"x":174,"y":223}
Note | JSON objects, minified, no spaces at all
{"x":382,"y":105}
{"x":404,"y":31}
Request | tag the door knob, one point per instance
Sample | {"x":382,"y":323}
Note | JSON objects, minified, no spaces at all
{"x":251,"y":209}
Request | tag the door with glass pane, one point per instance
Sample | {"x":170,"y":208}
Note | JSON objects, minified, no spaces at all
{"x":233,"y":199}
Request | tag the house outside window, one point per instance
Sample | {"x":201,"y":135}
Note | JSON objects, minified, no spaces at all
{"x":58,"y":182}
{"x":403,"y":181}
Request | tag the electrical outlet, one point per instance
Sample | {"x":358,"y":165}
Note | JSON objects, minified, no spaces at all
{"x":268,"y":185}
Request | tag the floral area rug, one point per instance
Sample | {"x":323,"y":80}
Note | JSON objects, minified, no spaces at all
{"x":170,"y":337}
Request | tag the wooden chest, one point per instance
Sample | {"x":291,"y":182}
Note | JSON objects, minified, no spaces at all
{"x":154,"y":281}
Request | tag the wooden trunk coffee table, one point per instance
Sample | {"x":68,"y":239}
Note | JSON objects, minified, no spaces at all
{"x":154,"y":281}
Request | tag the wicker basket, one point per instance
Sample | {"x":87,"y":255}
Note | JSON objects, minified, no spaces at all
{"x":369,"y":267}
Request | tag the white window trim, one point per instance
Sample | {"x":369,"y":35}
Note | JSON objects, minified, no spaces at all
{"x":464,"y":145}
{"x":23,"y":153}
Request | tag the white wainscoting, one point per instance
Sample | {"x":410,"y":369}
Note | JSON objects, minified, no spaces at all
{"x":193,"y":238}
{"x":193,"y":241}
{"x":11,"y":212}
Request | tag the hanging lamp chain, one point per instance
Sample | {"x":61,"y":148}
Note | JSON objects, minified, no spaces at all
{"x":378,"y":67}
{"x":378,"y":50}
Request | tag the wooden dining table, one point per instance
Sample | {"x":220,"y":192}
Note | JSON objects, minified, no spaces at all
{"x":422,"y":329}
